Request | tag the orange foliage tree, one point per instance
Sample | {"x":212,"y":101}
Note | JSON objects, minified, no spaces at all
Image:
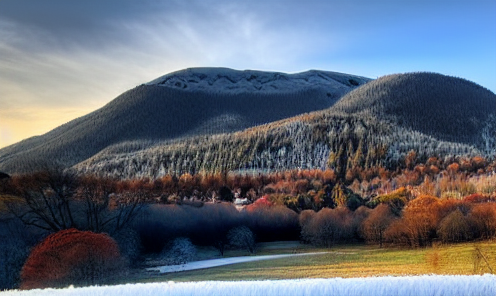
{"x":418,"y":225}
{"x":483,"y":220}
{"x":375,"y":225}
{"x":72,"y":257}
{"x":454,"y":228}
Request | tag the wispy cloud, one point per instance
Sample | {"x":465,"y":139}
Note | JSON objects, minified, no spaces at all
{"x":79,"y":55}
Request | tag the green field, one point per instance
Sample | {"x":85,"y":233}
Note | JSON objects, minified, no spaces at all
{"x":350,"y":261}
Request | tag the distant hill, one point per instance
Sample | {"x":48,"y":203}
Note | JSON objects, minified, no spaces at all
{"x":192,"y":102}
{"x":376,"y":124}
{"x":444,"y":107}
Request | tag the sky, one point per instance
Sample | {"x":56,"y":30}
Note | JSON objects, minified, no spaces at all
{"x":62,"y":59}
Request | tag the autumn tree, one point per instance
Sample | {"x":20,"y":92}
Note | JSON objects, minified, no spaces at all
{"x":54,"y":200}
{"x":327,"y":227}
{"x":375,"y":225}
{"x":483,"y":220}
{"x":417,"y":227}
{"x":454,"y":228}
{"x":47,"y":199}
{"x":72,"y":257}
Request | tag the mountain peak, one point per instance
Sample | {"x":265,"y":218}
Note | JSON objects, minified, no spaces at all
{"x":190,"y":102}
{"x":235,"y":81}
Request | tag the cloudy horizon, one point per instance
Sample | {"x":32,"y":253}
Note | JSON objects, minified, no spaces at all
{"x":63,"y":59}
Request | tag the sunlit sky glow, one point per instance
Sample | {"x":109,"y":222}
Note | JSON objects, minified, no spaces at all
{"x":62,"y":59}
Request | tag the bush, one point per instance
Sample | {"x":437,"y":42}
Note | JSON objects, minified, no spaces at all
{"x":396,"y":200}
{"x":206,"y":225}
{"x":13,"y":254}
{"x":397,"y":233}
{"x":241,"y":237}
{"x":327,"y":227}
{"x":129,"y":242}
{"x":180,"y":251}
{"x":417,"y":227}
{"x":483,"y":220}
{"x":454,"y":228}
{"x":375,"y":225}
{"x":272,"y":223}
{"x":72,"y":257}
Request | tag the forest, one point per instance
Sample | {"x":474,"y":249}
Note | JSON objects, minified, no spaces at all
{"x":58,"y":216}
{"x":403,"y":161}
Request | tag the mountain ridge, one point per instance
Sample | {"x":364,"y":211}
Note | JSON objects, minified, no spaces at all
{"x":339,"y":137}
{"x":157,"y":112}
{"x":235,"y":81}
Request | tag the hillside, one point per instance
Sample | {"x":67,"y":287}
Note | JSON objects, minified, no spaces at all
{"x":376,"y":124}
{"x":444,"y":107}
{"x":192,"y":102}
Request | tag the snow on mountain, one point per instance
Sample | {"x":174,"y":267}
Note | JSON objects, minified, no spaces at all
{"x":191,"y":102}
{"x":384,"y":286}
{"x":234,"y":81}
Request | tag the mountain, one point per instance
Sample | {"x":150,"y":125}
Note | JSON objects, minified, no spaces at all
{"x":191,"y":102}
{"x":444,"y":107}
{"x":378,"y":123}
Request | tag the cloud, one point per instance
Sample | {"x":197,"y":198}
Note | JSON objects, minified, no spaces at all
{"x":81,"y":54}
{"x":57,"y":57}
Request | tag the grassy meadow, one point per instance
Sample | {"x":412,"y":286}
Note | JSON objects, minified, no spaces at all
{"x":350,"y":261}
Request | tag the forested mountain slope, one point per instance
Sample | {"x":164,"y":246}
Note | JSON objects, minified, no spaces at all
{"x":199,"y":101}
{"x":444,"y":107}
{"x":376,"y":124}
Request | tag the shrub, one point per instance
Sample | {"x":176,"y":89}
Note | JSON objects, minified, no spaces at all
{"x":375,"y":225}
{"x":417,"y":227}
{"x":454,"y":228}
{"x":396,"y":200}
{"x":259,"y":203}
{"x":241,"y":237}
{"x":305,"y":217}
{"x":72,"y":257}
{"x":180,"y":251}
{"x":13,"y":254}
{"x":478,"y":198}
{"x":397,"y":233}
{"x":483,"y":220}
{"x":273,"y":223}
{"x":129,"y":243}
{"x":420,"y":226}
{"x":327,"y":227}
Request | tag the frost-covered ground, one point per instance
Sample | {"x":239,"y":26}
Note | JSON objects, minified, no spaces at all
{"x":416,"y":286}
{"x":220,"y":262}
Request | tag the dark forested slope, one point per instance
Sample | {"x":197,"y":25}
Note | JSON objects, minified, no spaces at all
{"x":444,"y":107}
{"x":376,"y":124}
{"x":190,"y":102}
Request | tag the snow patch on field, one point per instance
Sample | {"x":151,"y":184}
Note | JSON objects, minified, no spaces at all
{"x":415,"y":286}
{"x":221,"y":262}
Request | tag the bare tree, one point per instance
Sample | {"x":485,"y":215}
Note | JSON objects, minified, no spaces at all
{"x":43,"y":199}
{"x":54,"y":200}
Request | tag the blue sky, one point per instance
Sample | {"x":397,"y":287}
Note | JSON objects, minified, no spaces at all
{"x":62,"y":59}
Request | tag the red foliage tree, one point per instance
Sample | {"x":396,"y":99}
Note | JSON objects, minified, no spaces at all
{"x":71,"y":257}
{"x":262,"y":202}
{"x":478,"y":198}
